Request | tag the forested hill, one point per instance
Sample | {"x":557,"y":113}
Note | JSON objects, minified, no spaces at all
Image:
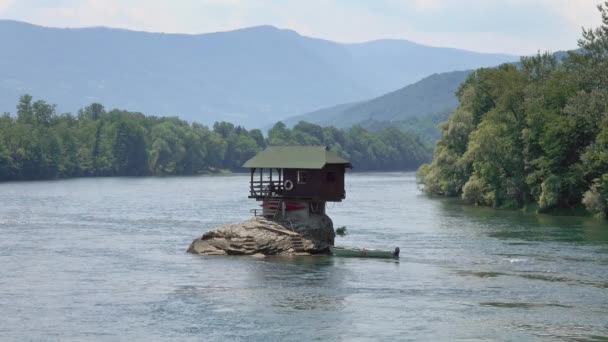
{"x":36,"y":143}
{"x":536,"y":133}
{"x":253,"y":77}
{"x":418,"y":107}
{"x":431,"y":95}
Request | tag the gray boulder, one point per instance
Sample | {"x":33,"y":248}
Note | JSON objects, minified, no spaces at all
{"x":265,"y":236}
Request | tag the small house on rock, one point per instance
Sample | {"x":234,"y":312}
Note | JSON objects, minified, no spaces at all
{"x":293,"y":184}
{"x":296,"y":181}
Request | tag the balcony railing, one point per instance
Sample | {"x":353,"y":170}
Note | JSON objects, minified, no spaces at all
{"x":266,"y":188}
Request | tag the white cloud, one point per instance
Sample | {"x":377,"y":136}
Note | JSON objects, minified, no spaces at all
{"x":428,"y":5}
{"x":98,"y":13}
{"x":577,"y":12}
{"x":4,"y":4}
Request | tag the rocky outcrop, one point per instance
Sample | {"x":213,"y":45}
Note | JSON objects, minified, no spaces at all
{"x":259,"y":235}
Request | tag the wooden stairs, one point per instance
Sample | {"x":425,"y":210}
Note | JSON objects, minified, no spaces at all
{"x":272,"y":207}
{"x":296,"y":244}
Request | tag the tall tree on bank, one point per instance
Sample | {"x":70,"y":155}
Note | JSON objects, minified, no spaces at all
{"x":535,"y":133}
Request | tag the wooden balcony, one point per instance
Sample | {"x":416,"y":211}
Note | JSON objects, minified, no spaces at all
{"x":263,"y":185}
{"x":265,"y":189}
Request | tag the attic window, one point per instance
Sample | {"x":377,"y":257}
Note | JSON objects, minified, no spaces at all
{"x":302,"y":177}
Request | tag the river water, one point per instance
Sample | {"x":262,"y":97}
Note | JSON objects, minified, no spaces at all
{"x":104,"y":260}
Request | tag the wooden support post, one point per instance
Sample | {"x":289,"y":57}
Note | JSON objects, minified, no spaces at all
{"x":270,"y":186}
{"x":261,"y":184}
{"x":251,"y":190}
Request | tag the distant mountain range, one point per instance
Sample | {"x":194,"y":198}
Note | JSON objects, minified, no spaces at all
{"x":253,"y":76}
{"x":431,"y":95}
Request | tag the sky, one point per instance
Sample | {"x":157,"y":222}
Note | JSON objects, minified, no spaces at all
{"x":507,"y":26}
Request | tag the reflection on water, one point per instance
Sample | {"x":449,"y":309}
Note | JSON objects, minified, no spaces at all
{"x":300,"y":283}
{"x":103,"y":259}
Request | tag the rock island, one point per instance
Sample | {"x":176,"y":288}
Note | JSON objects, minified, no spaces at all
{"x":292,"y":185}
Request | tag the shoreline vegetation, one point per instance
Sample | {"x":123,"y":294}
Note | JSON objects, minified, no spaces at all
{"x":39,"y":144}
{"x":530,"y":135}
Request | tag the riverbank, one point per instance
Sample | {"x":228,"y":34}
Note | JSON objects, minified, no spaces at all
{"x":208,"y":172}
{"x":528,"y":209}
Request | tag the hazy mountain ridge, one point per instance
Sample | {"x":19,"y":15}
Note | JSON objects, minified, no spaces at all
{"x":430,"y":96}
{"x":251,"y":76}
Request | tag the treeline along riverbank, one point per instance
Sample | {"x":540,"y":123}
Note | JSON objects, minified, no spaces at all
{"x":534,"y":133}
{"x":38,"y":143}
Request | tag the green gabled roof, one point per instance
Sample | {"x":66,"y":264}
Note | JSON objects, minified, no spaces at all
{"x":295,"y":157}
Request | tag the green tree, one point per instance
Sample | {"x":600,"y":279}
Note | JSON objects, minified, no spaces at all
{"x":279,"y":135}
{"x":130,"y":149}
{"x":25,"y":111}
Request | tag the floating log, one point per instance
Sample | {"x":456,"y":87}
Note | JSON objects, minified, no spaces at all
{"x":350,"y":252}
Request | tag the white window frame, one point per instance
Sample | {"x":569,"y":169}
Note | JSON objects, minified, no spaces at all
{"x":301,"y":173}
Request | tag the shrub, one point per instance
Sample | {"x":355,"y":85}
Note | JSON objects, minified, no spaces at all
{"x":596,"y":198}
{"x":549,"y":196}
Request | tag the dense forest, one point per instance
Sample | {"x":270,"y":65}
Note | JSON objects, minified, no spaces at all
{"x":37,"y":143}
{"x":532,"y":133}
{"x":425,"y":127}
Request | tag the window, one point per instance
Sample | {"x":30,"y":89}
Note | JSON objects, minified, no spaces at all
{"x":330,"y":177}
{"x":302,"y":177}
